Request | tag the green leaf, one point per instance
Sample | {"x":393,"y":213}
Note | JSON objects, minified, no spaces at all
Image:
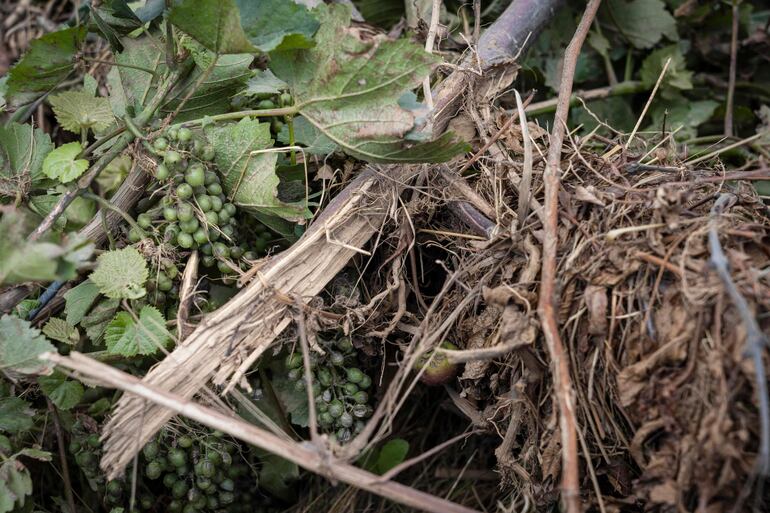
{"x":277,"y":24}
{"x":22,"y":261}
{"x":277,"y":476}
{"x":35,"y":454}
{"x":64,"y":393}
{"x":599,"y":43}
{"x":114,"y":18}
{"x":682,"y":115}
{"x":131,"y":87}
{"x":642,"y":22}
{"x":7,"y":499}
{"x":348,"y":87}
{"x":20,"y":346}
{"x":212,"y":96}
{"x":216,"y":24}
{"x":79,"y":110}
{"x":264,"y":84}
{"x":677,"y":77}
{"x":60,"y":330}
{"x":22,"y":150}
{"x":78,"y":300}
{"x":121,"y":274}
{"x":17,"y":480}
{"x":250,"y":179}
{"x":62,"y":163}
{"x":15,"y":415}
{"x":98,"y":318}
{"x":391,"y":454}
{"x":126,"y":337}
{"x":114,"y":174}
{"x":314,"y":142}
{"x":47,"y":63}
{"x":294,"y":401}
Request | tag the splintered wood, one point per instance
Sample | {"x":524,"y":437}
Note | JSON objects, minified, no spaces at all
{"x":245,"y":328}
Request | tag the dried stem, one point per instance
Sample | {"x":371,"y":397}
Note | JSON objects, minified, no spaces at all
{"x":304,"y":455}
{"x":755,"y":339}
{"x":547,"y":305}
{"x":62,"y":457}
{"x":733,"y":70}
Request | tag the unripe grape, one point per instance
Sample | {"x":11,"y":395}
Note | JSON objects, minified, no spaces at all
{"x":214,"y":189}
{"x":204,"y":202}
{"x":162,"y":172}
{"x":169,"y":214}
{"x":200,"y":236}
{"x":185,"y":212}
{"x":172,"y":158}
{"x":216,"y":204}
{"x":184,"y":240}
{"x":210,"y":177}
{"x":184,"y":191}
{"x":195,"y":175}
{"x":266,"y":104}
{"x":355,"y":375}
{"x":144,"y":220}
{"x":212,"y":218}
{"x":185,"y":134}
{"x":160,"y":144}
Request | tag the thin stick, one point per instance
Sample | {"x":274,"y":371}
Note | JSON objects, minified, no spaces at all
{"x":649,"y":102}
{"x":525,"y":185}
{"x":302,"y":328}
{"x":65,"y":470}
{"x":726,"y":148}
{"x":304,"y":455}
{"x":755,"y":339}
{"x":733,"y":70}
{"x":547,"y":307}
{"x":429,"y":42}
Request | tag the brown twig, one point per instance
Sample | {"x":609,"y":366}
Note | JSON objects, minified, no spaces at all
{"x":186,"y":295}
{"x":65,"y":471}
{"x":547,"y":306}
{"x":733,"y":70}
{"x":304,"y":455}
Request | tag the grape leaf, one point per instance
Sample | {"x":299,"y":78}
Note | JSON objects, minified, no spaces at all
{"x":264,"y":83}
{"x":121,"y":274}
{"x":7,"y":499}
{"x":392,"y":453}
{"x":348,"y":87}
{"x":62,"y":163}
{"x":216,"y":24}
{"x":20,"y":345}
{"x":277,"y":475}
{"x":114,"y":18}
{"x":277,"y":24}
{"x":15,"y":415}
{"x":131,"y":87}
{"x":294,"y":401}
{"x":314,"y":142}
{"x":682,"y":115}
{"x":35,"y":453}
{"x":3,"y":92}
{"x":22,"y":261}
{"x":78,"y":300}
{"x":22,"y":150}
{"x":250,"y":180}
{"x":98,"y":318}
{"x":677,"y":77}
{"x":642,"y":22}
{"x":64,"y":393}
{"x":17,"y":481}
{"x":79,"y":110}
{"x":60,"y":330}
{"x":228,"y":76}
{"x":47,"y":63}
{"x":126,"y":337}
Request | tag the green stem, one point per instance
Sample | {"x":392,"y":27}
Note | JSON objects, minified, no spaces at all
{"x":170,"y":45}
{"x":96,"y":144}
{"x":139,"y":135}
{"x":229,"y":116}
{"x":629,"y":69}
{"x":120,"y":65}
{"x":292,"y":154}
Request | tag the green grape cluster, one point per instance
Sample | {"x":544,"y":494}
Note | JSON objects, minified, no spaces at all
{"x":194,"y":213}
{"x":265,"y":102}
{"x":86,"y":447}
{"x":339,"y":387}
{"x":200,"y":471}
